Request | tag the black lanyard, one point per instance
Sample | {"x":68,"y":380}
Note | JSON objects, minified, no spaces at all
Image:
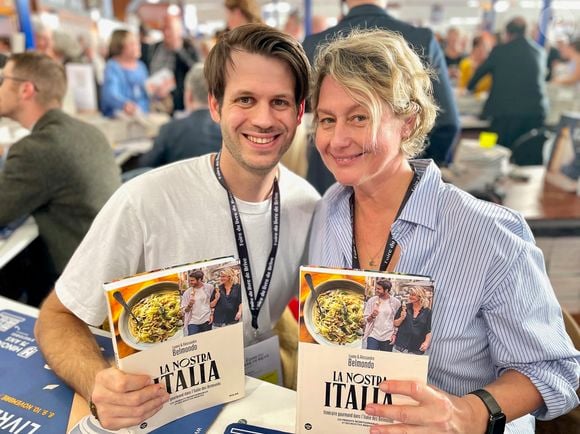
{"x":256,"y":301}
{"x":391,"y":243}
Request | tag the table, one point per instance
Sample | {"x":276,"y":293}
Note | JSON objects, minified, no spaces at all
{"x":264,"y":405}
{"x":15,"y":243}
{"x":547,"y":208}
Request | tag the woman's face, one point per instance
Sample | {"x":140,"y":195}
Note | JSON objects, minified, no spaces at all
{"x":224,"y":278}
{"x":344,"y":138}
{"x":131,"y":47}
{"x":413,"y":298}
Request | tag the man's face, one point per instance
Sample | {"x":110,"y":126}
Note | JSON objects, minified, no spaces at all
{"x":258,"y":115}
{"x":9,"y":99}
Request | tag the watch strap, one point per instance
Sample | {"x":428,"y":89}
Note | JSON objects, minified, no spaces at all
{"x":497,"y":420}
{"x":489,"y":401}
{"x":93,"y":409}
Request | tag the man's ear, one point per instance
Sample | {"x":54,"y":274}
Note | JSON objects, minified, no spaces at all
{"x":26,"y":90}
{"x":301,"y":111}
{"x":214,"y":108}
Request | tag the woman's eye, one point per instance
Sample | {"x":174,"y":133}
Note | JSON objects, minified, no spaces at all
{"x":359,"y":118}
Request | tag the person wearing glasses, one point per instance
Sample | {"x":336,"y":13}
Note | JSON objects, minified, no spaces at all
{"x":62,"y":172}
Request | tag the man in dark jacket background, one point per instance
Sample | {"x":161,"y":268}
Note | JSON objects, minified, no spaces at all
{"x":517,"y":102}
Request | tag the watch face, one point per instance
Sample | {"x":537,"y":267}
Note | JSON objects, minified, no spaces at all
{"x":497,"y":424}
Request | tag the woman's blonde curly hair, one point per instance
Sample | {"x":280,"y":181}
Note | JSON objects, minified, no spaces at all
{"x":377,"y":68}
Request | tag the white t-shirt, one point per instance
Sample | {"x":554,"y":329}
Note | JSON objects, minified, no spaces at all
{"x":382,"y":327}
{"x":200,"y":310}
{"x":180,"y":213}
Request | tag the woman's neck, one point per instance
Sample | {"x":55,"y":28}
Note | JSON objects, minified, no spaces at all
{"x":127,"y":62}
{"x":385,"y":194}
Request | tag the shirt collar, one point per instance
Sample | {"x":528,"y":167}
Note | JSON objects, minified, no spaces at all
{"x":421,"y":209}
{"x":361,"y":10}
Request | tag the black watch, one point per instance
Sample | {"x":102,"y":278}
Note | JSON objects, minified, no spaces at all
{"x":496,"y":422}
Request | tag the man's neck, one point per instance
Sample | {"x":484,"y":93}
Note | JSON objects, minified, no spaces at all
{"x":29,"y":116}
{"x":355,"y":3}
{"x":243,"y":183}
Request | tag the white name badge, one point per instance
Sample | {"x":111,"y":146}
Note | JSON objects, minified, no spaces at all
{"x":262,"y":360}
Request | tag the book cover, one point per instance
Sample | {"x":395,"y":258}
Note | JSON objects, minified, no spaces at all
{"x":563,"y":168}
{"x":357,"y":329}
{"x":161,"y":326}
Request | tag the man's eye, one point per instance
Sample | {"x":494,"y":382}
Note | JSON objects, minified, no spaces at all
{"x":280,"y":103}
{"x":245,"y":100}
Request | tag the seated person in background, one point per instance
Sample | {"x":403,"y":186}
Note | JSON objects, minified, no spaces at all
{"x":467,"y":66}
{"x":175,"y":53}
{"x":64,"y":171}
{"x":183,"y":212}
{"x":123,"y":87}
{"x":195,"y":135}
{"x":240,"y":12}
{"x":496,"y":323}
{"x":571,"y":70}
{"x":454,"y":51}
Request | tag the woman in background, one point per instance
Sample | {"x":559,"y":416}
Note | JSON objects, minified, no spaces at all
{"x":123,"y":88}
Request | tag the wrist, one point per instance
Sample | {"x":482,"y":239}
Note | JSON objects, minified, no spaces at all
{"x":478,"y":414}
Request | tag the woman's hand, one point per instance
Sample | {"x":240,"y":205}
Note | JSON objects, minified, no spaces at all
{"x":436,"y":412}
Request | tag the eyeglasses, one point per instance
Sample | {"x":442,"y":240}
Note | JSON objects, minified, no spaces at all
{"x":4,"y":77}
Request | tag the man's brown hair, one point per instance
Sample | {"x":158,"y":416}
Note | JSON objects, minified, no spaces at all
{"x":47,"y":75}
{"x":256,"y":39}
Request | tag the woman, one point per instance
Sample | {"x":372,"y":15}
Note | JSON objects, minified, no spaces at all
{"x":467,"y":66}
{"x":373,"y":107}
{"x":227,"y":300}
{"x":572,"y":75}
{"x":414,"y":322}
{"x":123,"y":88}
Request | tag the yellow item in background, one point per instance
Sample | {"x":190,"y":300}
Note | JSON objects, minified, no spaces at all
{"x":487,"y":139}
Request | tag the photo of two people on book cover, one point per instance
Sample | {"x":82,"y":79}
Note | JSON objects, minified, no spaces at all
{"x":170,"y":324}
{"x":357,"y":329}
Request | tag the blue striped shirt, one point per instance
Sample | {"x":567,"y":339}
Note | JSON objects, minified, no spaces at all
{"x":494,"y":308}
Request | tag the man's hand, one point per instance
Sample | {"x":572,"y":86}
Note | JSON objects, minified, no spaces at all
{"x":436,"y":412}
{"x":123,"y":400}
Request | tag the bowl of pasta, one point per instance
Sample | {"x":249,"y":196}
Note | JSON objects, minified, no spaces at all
{"x":333,"y":313}
{"x":152,"y":315}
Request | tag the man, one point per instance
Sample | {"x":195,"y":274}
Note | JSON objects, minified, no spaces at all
{"x":63,"y":172}
{"x":379,"y":315}
{"x":517,"y":102}
{"x":184,"y":211}
{"x":195,"y":301}
{"x":197,"y":134}
{"x":174,"y":53}
{"x":369,"y":14}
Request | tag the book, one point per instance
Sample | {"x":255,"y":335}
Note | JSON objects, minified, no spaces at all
{"x":159,"y":324}
{"x":353,"y":337}
{"x":563,"y":169}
